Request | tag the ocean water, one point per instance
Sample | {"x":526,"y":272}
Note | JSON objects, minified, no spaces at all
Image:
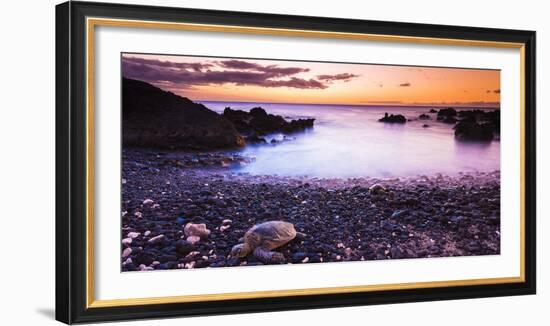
{"x":348,"y":141}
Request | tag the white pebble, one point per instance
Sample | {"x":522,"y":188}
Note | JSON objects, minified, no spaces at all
{"x":133,"y":235}
{"x":226,"y":221}
{"x":192,"y":254}
{"x":193,"y":239}
{"x":124,"y":213}
{"x":127,"y":241}
{"x":147,"y":233}
{"x":199,"y":230}
{"x":145,"y":268}
{"x":224,"y":227}
{"x":156,"y":239}
{"x":138,"y":214}
{"x":126,"y":252}
{"x":305,"y":260}
{"x":147,"y":201}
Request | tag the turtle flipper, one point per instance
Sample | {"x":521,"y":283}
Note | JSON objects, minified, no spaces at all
{"x":300,"y":236}
{"x":268,"y":257}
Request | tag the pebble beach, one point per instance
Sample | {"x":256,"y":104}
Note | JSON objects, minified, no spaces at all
{"x":344,"y":219}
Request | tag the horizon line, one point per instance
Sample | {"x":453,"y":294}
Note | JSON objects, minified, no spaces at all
{"x":437,"y":105}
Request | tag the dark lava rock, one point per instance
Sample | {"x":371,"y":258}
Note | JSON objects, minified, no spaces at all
{"x":424,"y":116}
{"x":183,"y":247}
{"x":152,"y":117}
{"x":298,"y":257}
{"x":425,"y":126}
{"x":449,"y":120}
{"x":259,"y":122}
{"x":255,"y":139}
{"x":202,"y":263}
{"x":167,"y":258}
{"x":433,"y":111}
{"x":399,"y":213}
{"x":397,"y":253}
{"x":389,"y":226}
{"x":473,"y":247}
{"x":398,"y":118}
{"x":472,"y":131}
{"x":144,"y":258}
{"x":493,"y":220}
{"x":444,"y":113}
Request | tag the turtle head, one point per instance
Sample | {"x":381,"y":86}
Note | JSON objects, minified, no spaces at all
{"x":241,"y":250}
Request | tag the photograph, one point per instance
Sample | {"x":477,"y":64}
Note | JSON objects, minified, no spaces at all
{"x":232,"y":161}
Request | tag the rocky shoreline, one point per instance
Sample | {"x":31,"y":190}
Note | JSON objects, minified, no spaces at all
{"x":414,"y":217}
{"x":469,"y":125}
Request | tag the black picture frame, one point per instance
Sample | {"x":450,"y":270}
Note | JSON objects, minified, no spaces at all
{"x":71,"y":157}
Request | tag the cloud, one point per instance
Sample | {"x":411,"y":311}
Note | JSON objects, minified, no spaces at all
{"x":173,"y":75}
{"x":496,"y":91}
{"x":405,"y":85}
{"x":168,"y":64}
{"x":343,"y":77}
{"x":273,"y":70}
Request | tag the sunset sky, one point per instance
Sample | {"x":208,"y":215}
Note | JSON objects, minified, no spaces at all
{"x":275,"y":81}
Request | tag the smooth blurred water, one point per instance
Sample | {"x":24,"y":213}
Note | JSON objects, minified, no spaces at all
{"x":348,"y":141}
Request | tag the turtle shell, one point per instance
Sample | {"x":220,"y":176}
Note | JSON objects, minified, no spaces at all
{"x":271,"y":235}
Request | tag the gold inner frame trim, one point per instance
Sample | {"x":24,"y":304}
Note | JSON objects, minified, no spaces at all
{"x":92,"y":22}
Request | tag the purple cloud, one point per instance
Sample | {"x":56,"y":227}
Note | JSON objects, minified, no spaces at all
{"x":273,"y":70}
{"x":405,"y":85}
{"x":343,"y":77}
{"x":174,"y":75}
{"x":169,"y":64}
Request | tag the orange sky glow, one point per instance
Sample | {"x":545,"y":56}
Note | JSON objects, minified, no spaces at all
{"x":275,"y":81}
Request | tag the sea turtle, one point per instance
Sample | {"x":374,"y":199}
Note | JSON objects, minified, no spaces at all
{"x":262,"y":238}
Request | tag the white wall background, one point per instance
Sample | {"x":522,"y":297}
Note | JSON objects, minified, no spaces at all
{"x":27,"y":189}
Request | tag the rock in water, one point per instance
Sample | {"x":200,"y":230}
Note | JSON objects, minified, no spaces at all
{"x":198,"y":230}
{"x":152,"y":117}
{"x":424,"y":116}
{"x":258,"y":122}
{"x":398,"y":118}
{"x":446,"y":113}
{"x":473,"y":131}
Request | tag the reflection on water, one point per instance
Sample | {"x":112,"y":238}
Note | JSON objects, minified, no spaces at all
{"x":348,"y":141}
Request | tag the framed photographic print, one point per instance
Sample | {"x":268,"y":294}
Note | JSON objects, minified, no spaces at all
{"x":223,"y":162}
